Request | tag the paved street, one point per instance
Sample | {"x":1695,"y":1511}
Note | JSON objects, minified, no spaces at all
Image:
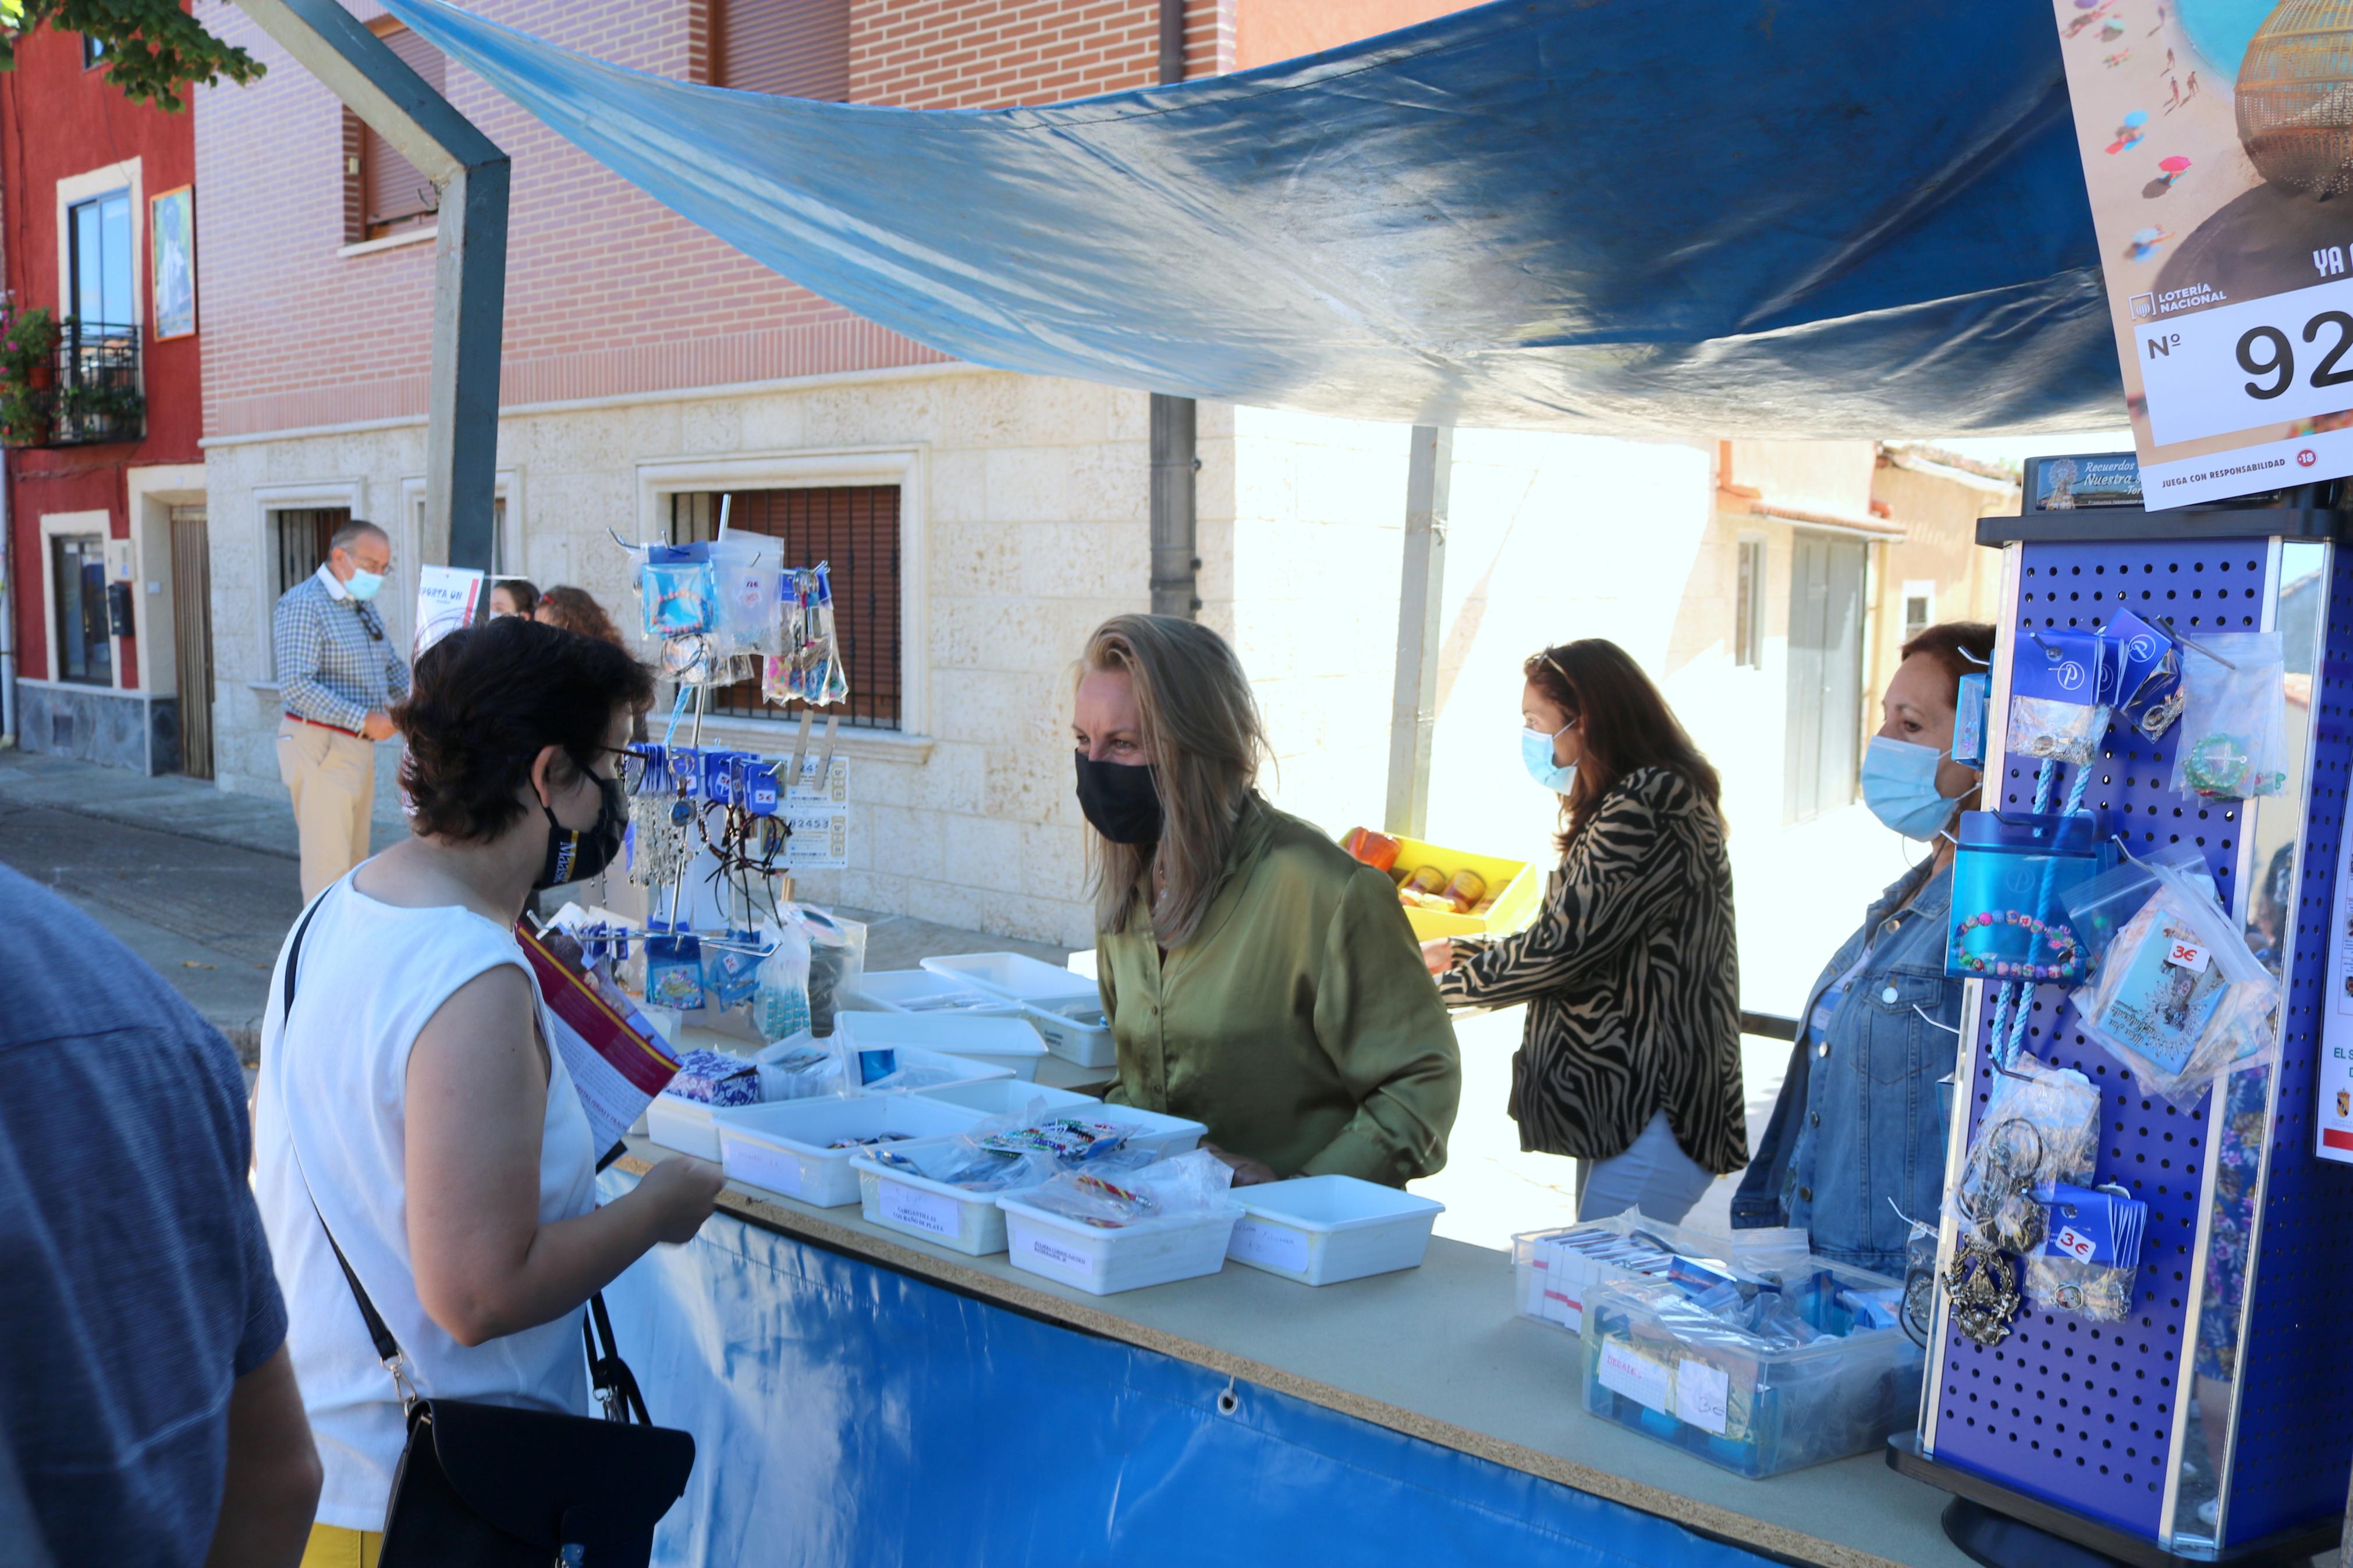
{"x":202,"y":884}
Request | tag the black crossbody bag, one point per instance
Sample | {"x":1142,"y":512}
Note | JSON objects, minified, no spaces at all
{"x":490,"y":1486}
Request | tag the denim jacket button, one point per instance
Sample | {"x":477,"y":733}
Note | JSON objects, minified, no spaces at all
{"x":1824,"y":1049}
{"x":1813,"y":1118}
{"x":1888,"y":996}
{"x":1807,"y":1194}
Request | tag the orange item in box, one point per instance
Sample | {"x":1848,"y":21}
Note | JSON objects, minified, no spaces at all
{"x":1377,"y":850}
{"x":1465,"y":890}
{"x":1426,"y":879}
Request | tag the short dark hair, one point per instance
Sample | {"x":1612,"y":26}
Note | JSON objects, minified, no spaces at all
{"x":523,"y":591}
{"x":486,"y":699}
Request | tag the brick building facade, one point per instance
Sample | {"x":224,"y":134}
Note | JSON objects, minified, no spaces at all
{"x":87,"y":180}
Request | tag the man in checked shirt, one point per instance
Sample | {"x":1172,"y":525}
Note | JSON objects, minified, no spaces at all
{"x":337,"y":675}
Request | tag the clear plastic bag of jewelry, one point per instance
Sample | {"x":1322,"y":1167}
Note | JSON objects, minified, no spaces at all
{"x":2176,"y":998}
{"x":746,"y":568}
{"x":2104,"y":905}
{"x":2041,"y":1126}
{"x":780,"y":1000}
{"x":2058,"y":683}
{"x":2234,"y":740}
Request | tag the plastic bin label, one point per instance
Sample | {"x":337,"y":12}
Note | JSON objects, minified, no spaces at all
{"x":1627,"y":1371}
{"x":931,"y":1212}
{"x":1058,"y":1259}
{"x":1274,"y":1245}
{"x":764,"y":1167}
{"x":1703,"y":1395}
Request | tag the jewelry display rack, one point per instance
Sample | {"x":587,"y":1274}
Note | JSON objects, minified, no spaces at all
{"x":2210,"y":1424}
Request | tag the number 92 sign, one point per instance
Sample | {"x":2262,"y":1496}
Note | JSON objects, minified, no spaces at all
{"x":2272,"y":360}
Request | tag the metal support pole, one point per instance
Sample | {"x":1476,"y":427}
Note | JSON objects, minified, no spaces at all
{"x":1176,"y":587}
{"x":462,"y":432}
{"x":1413,"y":714}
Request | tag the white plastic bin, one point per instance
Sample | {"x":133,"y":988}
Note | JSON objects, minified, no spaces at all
{"x":784,"y":1147}
{"x":683,"y":1125}
{"x":1076,"y":1031}
{"x":934,"y":1211}
{"x":1008,"y":1097}
{"x":1162,"y":1137}
{"x":1005,"y":1042}
{"x":1017,"y":977}
{"x":921,"y":991}
{"x":1102,"y":1262}
{"x":1320,"y":1230}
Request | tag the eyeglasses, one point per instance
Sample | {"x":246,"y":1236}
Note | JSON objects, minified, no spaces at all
{"x":370,"y":622}
{"x":629,"y":766}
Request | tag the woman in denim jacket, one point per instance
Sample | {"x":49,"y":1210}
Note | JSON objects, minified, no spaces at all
{"x":1858,"y":1121}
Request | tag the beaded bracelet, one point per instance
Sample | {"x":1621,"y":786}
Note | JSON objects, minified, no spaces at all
{"x":2061,"y":938}
{"x":2218,"y":767}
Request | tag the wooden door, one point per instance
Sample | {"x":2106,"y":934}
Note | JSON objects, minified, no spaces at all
{"x":1825,"y":700}
{"x":192,"y":638}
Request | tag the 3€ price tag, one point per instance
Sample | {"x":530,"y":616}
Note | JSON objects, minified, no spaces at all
{"x":2187,"y":955}
{"x":2075,"y":1244}
{"x":1703,"y":1395}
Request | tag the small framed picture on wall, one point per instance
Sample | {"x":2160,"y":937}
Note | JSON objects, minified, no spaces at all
{"x":172,"y":221}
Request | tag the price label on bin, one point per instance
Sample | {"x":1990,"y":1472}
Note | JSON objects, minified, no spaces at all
{"x":2187,"y":955}
{"x":1627,"y":1371}
{"x":1703,"y":1395}
{"x":2075,"y":1244}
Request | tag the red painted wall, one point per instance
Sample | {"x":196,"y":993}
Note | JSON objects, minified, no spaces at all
{"x":58,"y":121}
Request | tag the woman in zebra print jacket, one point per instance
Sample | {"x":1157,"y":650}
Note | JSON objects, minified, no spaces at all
{"x":1630,"y":1062}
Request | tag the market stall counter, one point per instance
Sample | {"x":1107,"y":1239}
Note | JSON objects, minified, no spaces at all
{"x":859,"y":1395}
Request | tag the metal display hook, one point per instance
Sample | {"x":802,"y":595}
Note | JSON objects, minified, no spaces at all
{"x":2167,"y":622}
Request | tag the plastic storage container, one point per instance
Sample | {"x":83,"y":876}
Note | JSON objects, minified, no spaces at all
{"x":786,"y":1147}
{"x":1553,"y":1277}
{"x":1320,"y":1230}
{"x":1005,"y":1042}
{"x":2012,"y":874}
{"x":934,"y":1211}
{"x":684,"y":1125}
{"x":1162,"y":1137}
{"x":1008,"y":1096}
{"x":1104,"y":1262}
{"x":921,"y":991}
{"x":1653,"y":1366}
{"x":1077,"y":1032}
{"x":1017,"y":977}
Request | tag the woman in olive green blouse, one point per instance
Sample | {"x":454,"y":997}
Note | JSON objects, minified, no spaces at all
{"x":1257,"y":979}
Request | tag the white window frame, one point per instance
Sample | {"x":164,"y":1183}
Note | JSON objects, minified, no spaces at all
{"x":1753,"y":656}
{"x":908,"y":468}
{"x":76,"y":188}
{"x":1914,"y":588}
{"x":56,"y":525}
{"x":262,"y":586}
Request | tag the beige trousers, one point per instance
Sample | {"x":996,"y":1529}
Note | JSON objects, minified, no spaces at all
{"x":331,"y":778}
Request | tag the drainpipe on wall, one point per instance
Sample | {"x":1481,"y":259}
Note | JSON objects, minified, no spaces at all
{"x":1175,"y":566}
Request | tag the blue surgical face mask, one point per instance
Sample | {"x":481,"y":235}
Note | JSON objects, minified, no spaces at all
{"x":362,"y":584}
{"x":1899,"y":785}
{"x":1535,"y":752}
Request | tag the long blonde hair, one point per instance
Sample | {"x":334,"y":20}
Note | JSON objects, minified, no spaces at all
{"x":1202,"y":733}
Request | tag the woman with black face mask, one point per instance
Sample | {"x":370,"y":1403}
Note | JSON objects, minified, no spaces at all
{"x":408,"y":1102}
{"x":1257,"y":979}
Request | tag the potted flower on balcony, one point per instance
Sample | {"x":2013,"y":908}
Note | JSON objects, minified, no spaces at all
{"x":28,"y":373}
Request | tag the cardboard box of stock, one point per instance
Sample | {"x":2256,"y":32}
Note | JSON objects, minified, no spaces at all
{"x":1515,"y":884}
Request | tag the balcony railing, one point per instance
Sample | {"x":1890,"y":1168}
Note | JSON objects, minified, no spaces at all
{"x":97,"y":395}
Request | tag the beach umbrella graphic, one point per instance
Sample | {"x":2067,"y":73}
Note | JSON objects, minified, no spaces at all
{"x":2137,"y":119}
{"x":2173,"y":167}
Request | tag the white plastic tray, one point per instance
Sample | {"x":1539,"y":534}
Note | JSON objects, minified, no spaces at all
{"x":934,"y":1211}
{"x":922,"y":992}
{"x":783,"y":1147}
{"x":1004,"y":1042}
{"x":1086,"y":1045}
{"x":1015,"y":976}
{"x":683,"y":1125}
{"x":1320,"y":1230}
{"x":1007,"y":1096}
{"x":1104,"y":1262}
{"x":1163,"y":1137}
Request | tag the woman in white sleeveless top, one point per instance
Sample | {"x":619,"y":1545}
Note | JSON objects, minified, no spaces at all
{"x":411,"y":1092}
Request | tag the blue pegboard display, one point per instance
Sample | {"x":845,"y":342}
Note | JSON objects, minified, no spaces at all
{"x":2113,"y":1421}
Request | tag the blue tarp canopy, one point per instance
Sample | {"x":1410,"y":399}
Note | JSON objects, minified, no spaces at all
{"x":1609,"y":216}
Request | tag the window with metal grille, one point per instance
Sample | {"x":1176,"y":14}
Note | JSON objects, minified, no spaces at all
{"x":78,"y":575}
{"x":797,"y":48}
{"x":1919,"y":608}
{"x":1748,"y":607}
{"x":854,"y":529}
{"x":384,"y":194}
{"x":300,"y":536}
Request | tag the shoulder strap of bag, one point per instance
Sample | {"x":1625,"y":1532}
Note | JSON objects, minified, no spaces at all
{"x":616,"y":1385}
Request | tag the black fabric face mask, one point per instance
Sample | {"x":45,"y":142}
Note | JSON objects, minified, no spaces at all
{"x":576,"y":854}
{"x":1121,"y":800}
